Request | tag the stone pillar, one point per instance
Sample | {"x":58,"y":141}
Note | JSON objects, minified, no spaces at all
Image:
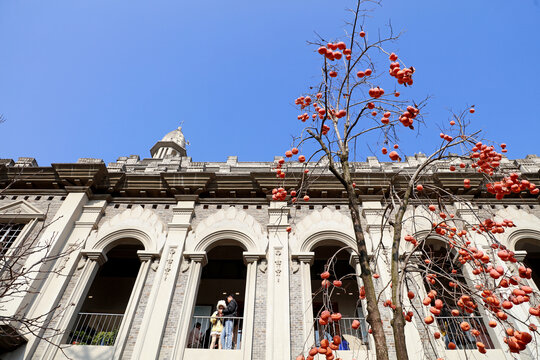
{"x":278,"y":335}
{"x":54,"y":234}
{"x":122,"y":337}
{"x":90,"y":262}
{"x":154,"y":320}
{"x":197,"y":261}
{"x":250,"y":259}
{"x":306,"y":260}
{"x":55,"y":285}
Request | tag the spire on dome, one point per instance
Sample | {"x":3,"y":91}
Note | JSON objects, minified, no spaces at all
{"x":172,"y":144}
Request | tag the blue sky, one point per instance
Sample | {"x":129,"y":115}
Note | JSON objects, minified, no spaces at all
{"x":108,"y":78}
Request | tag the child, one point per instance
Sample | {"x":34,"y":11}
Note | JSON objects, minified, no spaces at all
{"x":217,"y":324}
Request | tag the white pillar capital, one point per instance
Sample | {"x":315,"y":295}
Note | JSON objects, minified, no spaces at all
{"x":252,"y":257}
{"x":354,"y":260}
{"x":95,"y":255}
{"x":147,"y":255}
{"x":304,"y":257}
{"x":197,"y":256}
{"x":520,"y":254}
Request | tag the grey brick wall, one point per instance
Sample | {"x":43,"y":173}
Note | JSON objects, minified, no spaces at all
{"x":259,"y":326}
{"x":386,"y":316}
{"x":139,"y":313}
{"x":173,"y":316}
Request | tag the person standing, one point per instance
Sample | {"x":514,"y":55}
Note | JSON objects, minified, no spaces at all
{"x":217,"y":324}
{"x":229,"y":313}
{"x":194,"y":337}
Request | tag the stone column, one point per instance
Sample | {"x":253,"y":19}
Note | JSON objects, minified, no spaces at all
{"x":250,"y":259}
{"x":90,"y":262}
{"x":278,"y":336}
{"x":54,"y":234}
{"x":122,"y":337}
{"x":306,"y":260}
{"x":55,"y":285}
{"x":197,"y":261}
{"x":154,"y":320}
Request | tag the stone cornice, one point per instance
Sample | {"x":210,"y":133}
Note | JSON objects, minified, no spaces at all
{"x":158,"y":178}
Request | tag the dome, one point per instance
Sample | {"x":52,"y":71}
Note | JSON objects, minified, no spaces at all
{"x":176,"y":136}
{"x":172,"y":144}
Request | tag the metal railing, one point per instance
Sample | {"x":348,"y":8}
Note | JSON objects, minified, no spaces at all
{"x":95,"y":329}
{"x":451,"y":331}
{"x":351,"y":339}
{"x":224,"y":333}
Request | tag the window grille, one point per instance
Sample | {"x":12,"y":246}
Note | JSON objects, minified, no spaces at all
{"x":8,"y":235}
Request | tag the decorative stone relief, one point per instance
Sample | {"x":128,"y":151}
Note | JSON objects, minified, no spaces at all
{"x":277,"y":262}
{"x":235,"y":224}
{"x":295,"y":266}
{"x":155,"y":265}
{"x":135,"y":220}
{"x":185,"y":265}
{"x":329,"y":222}
{"x":170,"y":261}
{"x":81,"y":263}
{"x":62,"y":266}
{"x":263,"y":266}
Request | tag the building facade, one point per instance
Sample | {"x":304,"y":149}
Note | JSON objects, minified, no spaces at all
{"x":148,"y":248}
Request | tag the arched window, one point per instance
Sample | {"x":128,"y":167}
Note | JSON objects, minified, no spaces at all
{"x":223,"y":280}
{"x":445,"y":269}
{"x":532,"y":259}
{"x":344,"y":299}
{"x":105,"y":303}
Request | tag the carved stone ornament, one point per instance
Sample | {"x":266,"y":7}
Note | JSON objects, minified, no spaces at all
{"x":277,"y":263}
{"x":185,"y":265}
{"x":81,"y":263}
{"x":170,"y":260}
{"x":263,"y":266}
{"x":295,"y":266}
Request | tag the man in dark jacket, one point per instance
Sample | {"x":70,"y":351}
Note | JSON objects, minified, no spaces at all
{"x":229,"y":313}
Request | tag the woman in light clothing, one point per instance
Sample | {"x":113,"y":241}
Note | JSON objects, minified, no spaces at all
{"x":217,"y":324}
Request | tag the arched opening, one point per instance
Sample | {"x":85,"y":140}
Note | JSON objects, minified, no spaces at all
{"x":344,"y":299}
{"x":105,"y":303}
{"x":442,"y":270}
{"x":223,"y":275}
{"x":532,"y":259}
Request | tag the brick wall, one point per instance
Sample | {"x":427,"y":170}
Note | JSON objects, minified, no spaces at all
{"x":173,"y":316}
{"x":296,"y":309}
{"x":139,"y":313}
{"x":259,"y":327}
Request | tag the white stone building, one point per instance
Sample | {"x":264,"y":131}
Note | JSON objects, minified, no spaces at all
{"x":158,"y":241}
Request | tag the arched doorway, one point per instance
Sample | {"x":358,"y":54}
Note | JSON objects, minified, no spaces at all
{"x":344,"y":299}
{"x":104,"y":305}
{"x":532,"y":258}
{"x":445,"y":269}
{"x":222,"y":277}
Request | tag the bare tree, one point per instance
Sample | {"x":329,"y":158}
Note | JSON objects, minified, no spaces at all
{"x":27,"y":257}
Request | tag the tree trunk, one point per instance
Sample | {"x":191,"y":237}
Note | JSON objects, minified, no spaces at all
{"x":398,"y":320}
{"x":373,"y":314}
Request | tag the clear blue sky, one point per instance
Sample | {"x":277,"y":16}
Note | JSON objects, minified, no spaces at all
{"x":108,"y":78}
